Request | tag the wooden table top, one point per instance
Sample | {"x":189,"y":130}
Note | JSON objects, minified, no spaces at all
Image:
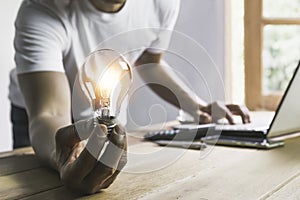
{"x":155,"y":172}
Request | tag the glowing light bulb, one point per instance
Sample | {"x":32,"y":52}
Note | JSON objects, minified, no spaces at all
{"x":105,"y":79}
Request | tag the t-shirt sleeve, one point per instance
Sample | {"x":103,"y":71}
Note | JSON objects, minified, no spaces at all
{"x":40,"y":40}
{"x":168,"y":11}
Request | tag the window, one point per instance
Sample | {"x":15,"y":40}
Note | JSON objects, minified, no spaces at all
{"x":272,"y":49}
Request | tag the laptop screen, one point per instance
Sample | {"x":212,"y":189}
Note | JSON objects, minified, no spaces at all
{"x":287,"y":117}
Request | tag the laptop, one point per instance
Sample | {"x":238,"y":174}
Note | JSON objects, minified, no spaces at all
{"x":285,"y":124}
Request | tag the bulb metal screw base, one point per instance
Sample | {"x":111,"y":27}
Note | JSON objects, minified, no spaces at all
{"x":109,"y":122}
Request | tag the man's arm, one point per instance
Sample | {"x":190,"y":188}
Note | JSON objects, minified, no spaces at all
{"x":164,"y":82}
{"x":56,"y":141}
{"x":47,"y":96}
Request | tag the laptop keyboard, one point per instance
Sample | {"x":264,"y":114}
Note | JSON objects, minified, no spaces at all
{"x":241,"y":127}
{"x":242,"y":130}
{"x":182,"y":132}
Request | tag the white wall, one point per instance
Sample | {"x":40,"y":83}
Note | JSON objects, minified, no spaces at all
{"x":8,"y":10}
{"x":203,"y":21}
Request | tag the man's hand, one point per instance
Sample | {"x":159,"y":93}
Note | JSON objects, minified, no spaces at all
{"x":78,"y":160}
{"x":218,"y":110}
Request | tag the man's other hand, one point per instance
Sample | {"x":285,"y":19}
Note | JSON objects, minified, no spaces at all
{"x":218,"y":110}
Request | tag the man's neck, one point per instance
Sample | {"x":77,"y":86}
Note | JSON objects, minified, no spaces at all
{"x":107,"y":7}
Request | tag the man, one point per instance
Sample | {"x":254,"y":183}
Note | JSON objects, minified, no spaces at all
{"x":52,"y":39}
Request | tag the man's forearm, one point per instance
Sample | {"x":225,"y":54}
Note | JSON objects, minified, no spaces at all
{"x":48,"y":102}
{"x":164,"y":82}
{"x":42,"y":130}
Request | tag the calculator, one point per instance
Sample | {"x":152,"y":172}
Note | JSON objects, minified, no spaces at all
{"x":182,"y":132}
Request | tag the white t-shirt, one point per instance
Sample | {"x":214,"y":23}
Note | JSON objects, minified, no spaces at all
{"x":57,"y":35}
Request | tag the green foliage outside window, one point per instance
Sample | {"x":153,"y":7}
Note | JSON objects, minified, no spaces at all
{"x":281,"y":48}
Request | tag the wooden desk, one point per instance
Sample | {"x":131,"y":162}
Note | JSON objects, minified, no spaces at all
{"x":217,"y":173}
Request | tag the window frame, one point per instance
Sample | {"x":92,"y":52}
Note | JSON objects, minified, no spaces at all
{"x":254,"y":23}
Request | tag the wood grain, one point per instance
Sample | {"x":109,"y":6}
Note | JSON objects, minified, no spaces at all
{"x":18,"y":163}
{"x":290,"y":190}
{"x":223,"y":173}
{"x":28,"y":183}
{"x":213,"y":173}
{"x":238,"y":175}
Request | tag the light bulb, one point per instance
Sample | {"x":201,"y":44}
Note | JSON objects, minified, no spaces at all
{"x":105,"y":79}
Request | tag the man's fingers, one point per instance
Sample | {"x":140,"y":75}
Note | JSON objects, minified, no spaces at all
{"x":84,"y":128}
{"x":245,"y":114}
{"x":70,"y":135}
{"x":229,"y":117}
{"x":219,"y":111}
{"x":97,"y":140}
{"x":115,"y":148}
{"x":241,"y":111}
{"x":245,"y":117}
{"x":204,"y":118}
{"x":103,"y":173}
{"x":67,"y":136}
{"x":120,"y":166}
{"x":84,"y":164}
{"x":109,"y":161}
